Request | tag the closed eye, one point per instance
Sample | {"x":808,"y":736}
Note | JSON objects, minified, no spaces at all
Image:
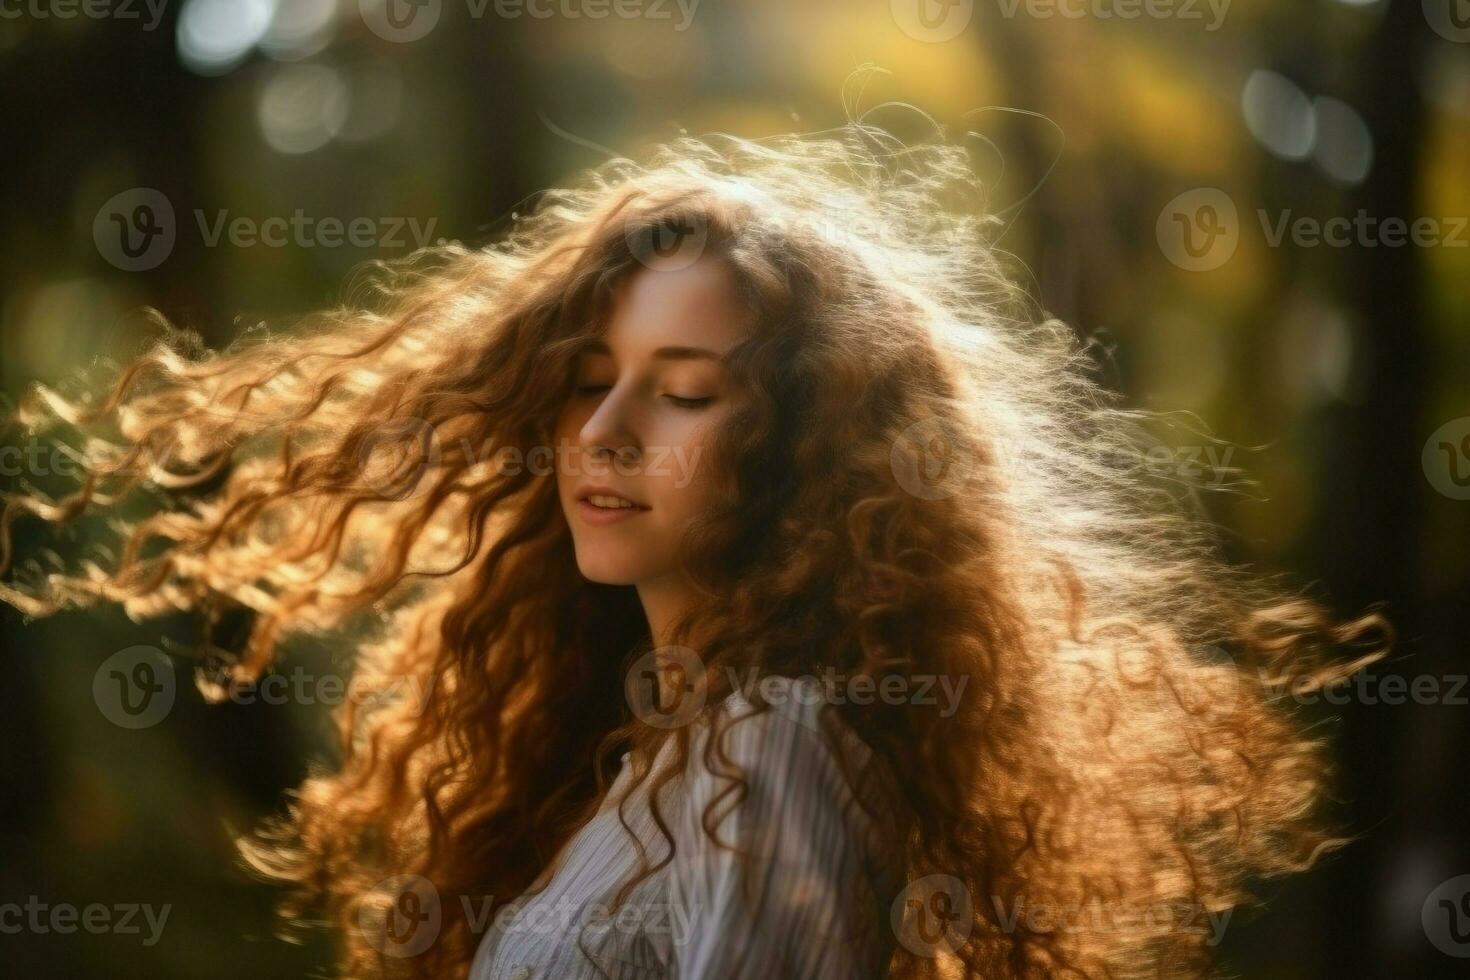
{"x":690,"y":402}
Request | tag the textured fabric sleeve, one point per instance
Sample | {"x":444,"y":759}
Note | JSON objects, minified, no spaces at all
{"x":805,"y":906}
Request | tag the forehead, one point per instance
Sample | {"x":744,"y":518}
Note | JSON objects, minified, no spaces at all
{"x":693,"y":306}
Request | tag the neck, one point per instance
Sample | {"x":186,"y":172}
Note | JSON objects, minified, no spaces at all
{"x":664,"y":600}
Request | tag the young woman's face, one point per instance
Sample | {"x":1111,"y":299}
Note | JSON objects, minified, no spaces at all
{"x":632,"y":440}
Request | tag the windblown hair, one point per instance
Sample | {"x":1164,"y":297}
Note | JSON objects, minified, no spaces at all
{"x":929,"y":478}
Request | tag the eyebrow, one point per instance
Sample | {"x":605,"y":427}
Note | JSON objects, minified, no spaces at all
{"x":675,"y":353}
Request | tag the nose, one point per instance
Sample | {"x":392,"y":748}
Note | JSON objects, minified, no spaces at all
{"x":611,"y":431}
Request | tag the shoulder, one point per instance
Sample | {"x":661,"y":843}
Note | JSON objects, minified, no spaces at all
{"x":789,"y":712}
{"x":794,"y":862}
{"x":781,"y":739}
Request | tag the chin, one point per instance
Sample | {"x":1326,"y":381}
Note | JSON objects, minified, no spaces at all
{"x":607,"y":570}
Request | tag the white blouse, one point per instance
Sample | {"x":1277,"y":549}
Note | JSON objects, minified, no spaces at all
{"x":814,"y":903}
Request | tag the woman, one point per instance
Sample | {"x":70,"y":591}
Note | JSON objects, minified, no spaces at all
{"x":785,"y":599}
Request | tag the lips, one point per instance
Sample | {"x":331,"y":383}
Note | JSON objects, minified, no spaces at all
{"x":611,"y":502}
{"x":607,"y":498}
{"x":603,"y":505}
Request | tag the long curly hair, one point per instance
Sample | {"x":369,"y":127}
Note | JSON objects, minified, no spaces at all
{"x":929,"y":478}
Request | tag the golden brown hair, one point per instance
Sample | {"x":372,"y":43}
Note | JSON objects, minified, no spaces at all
{"x":928,"y":480}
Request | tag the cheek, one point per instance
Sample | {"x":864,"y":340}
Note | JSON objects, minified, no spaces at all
{"x":564,"y":441}
{"x":569,"y":422}
{"x":682,"y":472}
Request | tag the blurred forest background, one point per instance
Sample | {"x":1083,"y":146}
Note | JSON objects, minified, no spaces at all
{"x":1172,"y":155}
